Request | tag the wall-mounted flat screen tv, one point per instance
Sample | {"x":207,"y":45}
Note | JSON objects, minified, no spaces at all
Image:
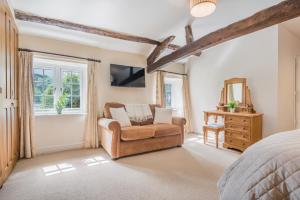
{"x":126,"y":76}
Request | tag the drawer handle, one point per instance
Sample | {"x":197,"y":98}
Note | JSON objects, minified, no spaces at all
{"x":230,"y":140}
{"x":244,"y":120}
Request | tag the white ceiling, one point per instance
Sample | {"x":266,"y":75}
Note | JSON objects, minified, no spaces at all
{"x":156,"y":19}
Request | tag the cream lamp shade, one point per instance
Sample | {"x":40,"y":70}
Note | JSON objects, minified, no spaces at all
{"x":202,"y":8}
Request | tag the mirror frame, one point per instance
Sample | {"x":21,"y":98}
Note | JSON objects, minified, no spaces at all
{"x":233,"y":81}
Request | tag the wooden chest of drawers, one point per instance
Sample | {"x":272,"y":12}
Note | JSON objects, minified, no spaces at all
{"x":241,"y":129}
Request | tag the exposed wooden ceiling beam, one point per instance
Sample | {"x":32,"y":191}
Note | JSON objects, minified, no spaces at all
{"x":20,"y":15}
{"x":159,"y":49}
{"x":190,"y":37}
{"x":189,"y":34}
{"x":281,"y":12}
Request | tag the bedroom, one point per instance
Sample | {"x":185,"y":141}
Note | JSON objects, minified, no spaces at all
{"x":59,"y":159}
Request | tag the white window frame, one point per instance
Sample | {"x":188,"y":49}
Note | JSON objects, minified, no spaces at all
{"x":171,"y":79}
{"x":59,"y":66}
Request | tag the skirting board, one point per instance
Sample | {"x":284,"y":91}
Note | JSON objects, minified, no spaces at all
{"x":58,"y":148}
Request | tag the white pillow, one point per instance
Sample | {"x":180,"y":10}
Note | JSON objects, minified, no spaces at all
{"x":121,"y":116}
{"x":163,"y":116}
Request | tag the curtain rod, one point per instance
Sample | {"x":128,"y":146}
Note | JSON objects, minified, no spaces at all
{"x":172,"y":72}
{"x":57,"y":54}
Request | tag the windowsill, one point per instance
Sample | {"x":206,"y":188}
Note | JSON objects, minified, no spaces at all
{"x":58,"y":115}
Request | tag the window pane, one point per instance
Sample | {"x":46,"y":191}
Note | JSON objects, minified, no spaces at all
{"x":37,"y":102}
{"x":75,"y":102}
{"x":49,"y":89}
{"x":76,"y":90}
{"x":71,"y":88}
{"x":168,"y":95}
{"x":43,"y":88}
{"x":173,"y":95}
{"x":68,"y":102}
{"x":37,"y":74}
{"x":47,"y":102}
{"x":67,"y":77}
{"x":48,"y":75}
{"x":67,"y":90}
{"x":38,"y":88}
{"x":75,"y":78}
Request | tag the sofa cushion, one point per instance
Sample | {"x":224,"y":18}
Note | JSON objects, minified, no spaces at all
{"x":107,"y":113}
{"x":121,"y":116}
{"x":150,"y":121}
{"x":163,"y":116}
{"x":137,"y":133}
{"x":162,"y":130}
{"x":109,"y":105}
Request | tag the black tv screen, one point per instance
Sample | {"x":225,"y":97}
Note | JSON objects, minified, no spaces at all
{"x":126,"y":76}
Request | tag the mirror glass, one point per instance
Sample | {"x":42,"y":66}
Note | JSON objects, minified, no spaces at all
{"x":235,"y":93}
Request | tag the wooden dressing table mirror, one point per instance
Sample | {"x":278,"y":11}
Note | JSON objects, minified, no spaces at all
{"x":244,"y":126}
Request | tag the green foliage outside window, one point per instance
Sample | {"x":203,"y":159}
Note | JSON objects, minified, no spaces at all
{"x":44,"y":89}
{"x":71,"y":89}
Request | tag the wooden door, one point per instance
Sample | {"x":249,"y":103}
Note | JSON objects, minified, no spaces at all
{"x":2,"y":111}
{"x":9,"y":130}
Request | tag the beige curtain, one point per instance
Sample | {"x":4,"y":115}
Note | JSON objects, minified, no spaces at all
{"x":187,"y":104}
{"x":91,"y":133}
{"x":26,"y":114}
{"x":160,"y":88}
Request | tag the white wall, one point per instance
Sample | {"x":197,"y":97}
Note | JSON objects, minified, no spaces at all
{"x":289,"y":49}
{"x":65,"y":132}
{"x":253,"y":57}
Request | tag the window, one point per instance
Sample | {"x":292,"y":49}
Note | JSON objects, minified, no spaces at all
{"x":53,"y":79}
{"x":168,"y":95}
{"x":43,"y":88}
{"x":173,"y":94}
{"x":71,"y":88}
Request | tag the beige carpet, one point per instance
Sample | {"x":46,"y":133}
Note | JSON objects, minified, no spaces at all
{"x":186,"y":173}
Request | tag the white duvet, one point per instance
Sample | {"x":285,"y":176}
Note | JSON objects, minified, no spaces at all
{"x":269,"y":169}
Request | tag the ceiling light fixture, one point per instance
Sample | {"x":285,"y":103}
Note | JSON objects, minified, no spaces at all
{"x":202,"y":8}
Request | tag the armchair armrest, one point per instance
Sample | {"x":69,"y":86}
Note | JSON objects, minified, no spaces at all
{"x":109,"y":124}
{"x":180,"y":121}
{"x":110,"y":133}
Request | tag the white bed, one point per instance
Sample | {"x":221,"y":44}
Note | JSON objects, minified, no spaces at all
{"x":269,"y":169}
